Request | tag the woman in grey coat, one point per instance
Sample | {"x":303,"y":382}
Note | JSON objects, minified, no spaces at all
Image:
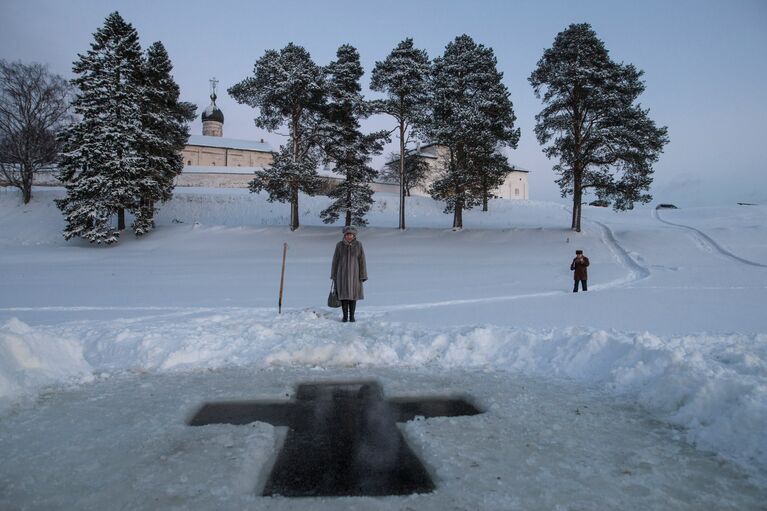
{"x":348,"y":272}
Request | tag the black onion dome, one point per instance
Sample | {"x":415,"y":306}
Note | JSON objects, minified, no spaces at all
{"x":212,"y":113}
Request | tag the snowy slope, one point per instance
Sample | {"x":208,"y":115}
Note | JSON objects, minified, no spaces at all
{"x":671,"y":330}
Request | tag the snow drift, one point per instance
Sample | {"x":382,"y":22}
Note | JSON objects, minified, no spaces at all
{"x":710,"y":381}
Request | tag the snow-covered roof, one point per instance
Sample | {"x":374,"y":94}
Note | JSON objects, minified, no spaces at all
{"x":331,"y":173}
{"x":429,"y":151}
{"x":229,"y":143}
{"x":212,"y":169}
{"x":421,"y":153}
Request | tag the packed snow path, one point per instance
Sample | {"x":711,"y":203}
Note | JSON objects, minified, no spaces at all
{"x":634,"y":273}
{"x":707,"y":243}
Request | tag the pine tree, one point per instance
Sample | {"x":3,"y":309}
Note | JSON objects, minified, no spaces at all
{"x":288,"y":88}
{"x":473,"y":116}
{"x":481,"y":170}
{"x":603,"y":140}
{"x":285,"y":170}
{"x":493,"y":168}
{"x":166,"y":131}
{"x":101,"y":163}
{"x":404,"y":77}
{"x":344,"y":145}
{"x":416,"y":170}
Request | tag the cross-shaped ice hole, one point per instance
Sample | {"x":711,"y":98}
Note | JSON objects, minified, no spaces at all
{"x":342,"y":439}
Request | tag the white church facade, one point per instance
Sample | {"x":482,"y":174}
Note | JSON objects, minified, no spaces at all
{"x":514,"y":187}
{"x":211,"y":160}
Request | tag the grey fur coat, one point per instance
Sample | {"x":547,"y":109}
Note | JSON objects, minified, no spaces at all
{"x":349,"y":270}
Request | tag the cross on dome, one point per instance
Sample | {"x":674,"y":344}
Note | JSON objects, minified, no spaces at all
{"x":213,"y":83}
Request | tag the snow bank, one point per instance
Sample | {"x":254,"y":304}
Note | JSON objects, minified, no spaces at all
{"x":714,"y":386}
{"x":674,"y":280}
{"x":30,"y":359}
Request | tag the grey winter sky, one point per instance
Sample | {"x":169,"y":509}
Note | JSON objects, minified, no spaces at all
{"x":704,"y":62}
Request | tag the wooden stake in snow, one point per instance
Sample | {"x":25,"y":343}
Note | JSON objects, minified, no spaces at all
{"x":282,"y":276}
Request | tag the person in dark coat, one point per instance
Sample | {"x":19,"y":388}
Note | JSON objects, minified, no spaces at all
{"x":578,"y":266}
{"x":348,"y":272}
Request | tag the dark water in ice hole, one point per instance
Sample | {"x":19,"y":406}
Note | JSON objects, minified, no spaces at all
{"x":342,"y":440}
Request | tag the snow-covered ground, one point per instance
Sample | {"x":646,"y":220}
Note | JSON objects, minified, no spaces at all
{"x":647,"y":392}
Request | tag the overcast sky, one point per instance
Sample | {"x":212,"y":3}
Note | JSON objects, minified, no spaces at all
{"x":704,"y":63}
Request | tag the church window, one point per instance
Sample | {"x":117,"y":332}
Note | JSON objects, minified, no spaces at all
{"x":516,"y":191}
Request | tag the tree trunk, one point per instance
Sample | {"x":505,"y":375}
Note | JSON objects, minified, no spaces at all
{"x":402,"y":175}
{"x":294,"y":188}
{"x":458,"y":216}
{"x":458,"y":208}
{"x":348,"y":208}
{"x":26,"y":185}
{"x":578,"y":217}
{"x":575,"y":223}
{"x":458,"y":211}
{"x":120,"y":219}
{"x":26,"y":191}
{"x":577,"y":198}
{"x":578,"y":166}
{"x":294,"y":209}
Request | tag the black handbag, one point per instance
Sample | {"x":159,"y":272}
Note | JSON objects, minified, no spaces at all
{"x":333,"y":300}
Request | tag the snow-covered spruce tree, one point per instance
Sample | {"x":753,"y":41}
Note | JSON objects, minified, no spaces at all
{"x":165,"y":121}
{"x":404,"y":77}
{"x":602,"y":139}
{"x":101,"y":164}
{"x":473,"y":116}
{"x":416,"y":170}
{"x":288,"y":88}
{"x":344,"y":145}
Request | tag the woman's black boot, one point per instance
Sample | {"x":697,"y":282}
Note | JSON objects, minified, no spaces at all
{"x":352,"y":307}
{"x":345,"y":309}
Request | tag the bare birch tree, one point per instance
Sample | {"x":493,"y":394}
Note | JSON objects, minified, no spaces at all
{"x":34,"y":106}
